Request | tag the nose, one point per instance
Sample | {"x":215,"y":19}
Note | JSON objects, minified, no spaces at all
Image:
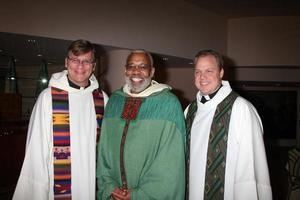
{"x":202,"y":75}
{"x":135,"y":70}
{"x":80,"y":64}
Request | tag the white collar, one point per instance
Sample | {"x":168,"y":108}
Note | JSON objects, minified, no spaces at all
{"x":154,"y":87}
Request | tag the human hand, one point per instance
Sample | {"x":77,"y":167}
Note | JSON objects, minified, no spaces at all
{"x":120,"y":194}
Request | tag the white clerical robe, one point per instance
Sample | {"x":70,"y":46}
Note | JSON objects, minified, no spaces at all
{"x":36,"y":178}
{"x":246,"y":172}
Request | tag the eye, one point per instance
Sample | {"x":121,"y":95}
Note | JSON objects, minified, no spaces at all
{"x":129,"y":66}
{"x":143,"y":66}
{"x":87,"y":62}
{"x":75,"y":61}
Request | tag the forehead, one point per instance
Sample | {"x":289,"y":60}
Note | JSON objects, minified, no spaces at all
{"x":138,"y":57}
{"x":207,"y":61}
{"x":87,"y":55}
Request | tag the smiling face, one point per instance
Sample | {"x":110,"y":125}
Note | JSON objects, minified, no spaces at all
{"x":138,"y":72}
{"x":208,"y":75}
{"x":80,"y":68}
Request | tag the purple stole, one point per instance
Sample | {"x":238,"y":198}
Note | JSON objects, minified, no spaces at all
{"x":61,"y":139}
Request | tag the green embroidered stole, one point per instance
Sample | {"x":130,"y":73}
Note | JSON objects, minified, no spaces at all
{"x":130,"y":112}
{"x":189,"y":122}
{"x":217,"y":147}
{"x":62,"y":142}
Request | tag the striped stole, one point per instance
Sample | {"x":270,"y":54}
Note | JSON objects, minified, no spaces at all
{"x":189,"y":122}
{"x":62,"y":142}
{"x":217,"y":148}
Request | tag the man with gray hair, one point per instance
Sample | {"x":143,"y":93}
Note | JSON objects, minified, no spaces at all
{"x":141,"y":152}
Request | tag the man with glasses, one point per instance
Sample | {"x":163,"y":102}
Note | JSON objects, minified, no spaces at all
{"x":141,"y":152}
{"x":60,"y":156}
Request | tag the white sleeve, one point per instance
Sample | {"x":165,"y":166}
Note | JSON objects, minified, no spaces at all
{"x":252,"y":175}
{"x":186,"y":110}
{"x":105,"y":98}
{"x":34,"y":183}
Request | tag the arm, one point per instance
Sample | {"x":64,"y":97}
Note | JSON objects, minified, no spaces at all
{"x":33,"y":182}
{"x":252,"y":175}
{"x":106,"y":183}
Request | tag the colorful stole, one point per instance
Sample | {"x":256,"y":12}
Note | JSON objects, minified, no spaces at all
{"x":130,"y":112}
{"x":217,"y":147}
{"x":61,"y":139}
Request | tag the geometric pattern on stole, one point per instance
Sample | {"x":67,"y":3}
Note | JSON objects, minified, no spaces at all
{"x":217,"y":148}
{"x":99,"y":109}
{"x":61,"y":139}
{"x":61,"y":144}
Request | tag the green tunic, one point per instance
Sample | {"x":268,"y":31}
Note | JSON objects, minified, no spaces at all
{"x":154,"y":149}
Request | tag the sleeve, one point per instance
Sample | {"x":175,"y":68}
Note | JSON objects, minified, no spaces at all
{"x":33,"y":183}
{"x":106,"y":184}
{"x":186,"y":110}
{"x":251,"y":175}
{"x":165,"y":179}
{"x":105,"y":97}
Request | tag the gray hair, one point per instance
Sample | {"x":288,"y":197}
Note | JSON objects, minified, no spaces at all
{"x":143,"y":52}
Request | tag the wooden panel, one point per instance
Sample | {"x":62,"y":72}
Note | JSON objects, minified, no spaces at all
{"x":10,"y":106}
{"x":13,"y":135}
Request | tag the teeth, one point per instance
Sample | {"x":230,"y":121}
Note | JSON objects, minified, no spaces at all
{"x":136,"y":79}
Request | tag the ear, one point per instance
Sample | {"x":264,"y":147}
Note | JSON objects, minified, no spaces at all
{"x":221,"y":73}
{"x":66,"y":63}
{"x":152,"y":71}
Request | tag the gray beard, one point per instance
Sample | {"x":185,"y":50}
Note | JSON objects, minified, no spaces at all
{"x":140,"y":88}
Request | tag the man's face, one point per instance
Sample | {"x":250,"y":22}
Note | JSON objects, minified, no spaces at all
{"x":138,"y":72}
{"x":80,"y":68}
{"x":208,"y":75}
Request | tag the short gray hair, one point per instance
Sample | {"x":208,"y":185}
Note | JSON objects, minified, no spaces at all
{"x":143,"y":52}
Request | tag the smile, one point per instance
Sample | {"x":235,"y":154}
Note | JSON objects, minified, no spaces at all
{"x":136,"y":79}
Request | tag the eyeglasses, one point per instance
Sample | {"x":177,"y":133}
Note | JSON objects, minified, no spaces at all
{"x":139,"y":67}
{"x":76,"y":61}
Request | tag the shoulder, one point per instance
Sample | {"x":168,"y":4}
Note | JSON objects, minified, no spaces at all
{"x":244,"y":111}
{"x":166,"y":96}
{"x":243,"y":104}
{"x":115,"y":101}
{"x":116,"y":93}
{"x":45,"y":95}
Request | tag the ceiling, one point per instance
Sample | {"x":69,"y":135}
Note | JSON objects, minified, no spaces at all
{"x":30,"y":50}
{"x":250,"y":8}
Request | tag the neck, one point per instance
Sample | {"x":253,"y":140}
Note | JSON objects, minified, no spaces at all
{"x":76,"y":86}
